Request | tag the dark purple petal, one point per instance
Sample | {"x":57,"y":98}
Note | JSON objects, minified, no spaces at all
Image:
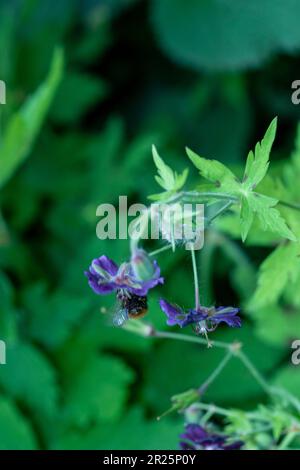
{"x":230,"y":317}
{"x":237,"y":445}
{"x":146,"y":286}
{"x":102,"y":288}
{"x":193,"y":316}
{"x":197,"y":438}
{"x":177,"y":316}
{"x":194,"y":433}
{"x":106,"y":264}
{"x":174,"y":313}
{"x":185,"y":446}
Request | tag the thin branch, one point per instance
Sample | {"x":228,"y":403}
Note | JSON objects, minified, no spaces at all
{"x":196,"y":281}
{"x":290,"y":205}
{"x":215,"y":373}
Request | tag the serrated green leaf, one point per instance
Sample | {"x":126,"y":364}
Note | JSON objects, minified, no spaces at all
{"x":169,"y":180}
{"x":279,"y":268}
{"x":166,"y":177}
{"x":258,"y":163}
{"x":246,"y":218}
{"x":215,"y":171}
{"x":24,"y":126}
{"x":269,"y":217}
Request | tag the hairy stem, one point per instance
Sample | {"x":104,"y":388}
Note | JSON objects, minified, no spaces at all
{"x":160,"y":250}
{"x":220,"y":212}
{"x":188,"y":338}
{"x":196,"y":280}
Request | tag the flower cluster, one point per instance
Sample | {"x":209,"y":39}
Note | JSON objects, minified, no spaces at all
{"x":104,"y":276}
{"x":137,"y":276}
{"x":196,"y":437}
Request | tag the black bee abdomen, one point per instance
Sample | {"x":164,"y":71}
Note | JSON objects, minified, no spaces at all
{"x":136,"y":305}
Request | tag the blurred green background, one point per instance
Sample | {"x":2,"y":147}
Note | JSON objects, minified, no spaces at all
{"x":210,"y":74}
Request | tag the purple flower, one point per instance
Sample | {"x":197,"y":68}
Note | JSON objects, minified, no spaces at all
{"x":104,"y":277}
{"x":204,"y":318}
{"x":197,"y":438}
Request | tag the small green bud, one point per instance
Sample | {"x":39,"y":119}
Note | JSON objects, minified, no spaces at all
{"x":142,"y":265}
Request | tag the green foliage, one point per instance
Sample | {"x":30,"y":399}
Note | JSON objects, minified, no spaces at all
{"x":278,"y":269}
{"x":169,"y":180}
{"x":215,"y":172}
{"x":143,"y":435}
{"x":257,"y":164}
{"x":24,"y":126}
{"x":30,"y":379}
{"x":225,"y":35}
{"x":71,"y":380}
{"x":89,"y":391}
{"x":15,"y":433}
{"x":251,"y":203}
{"x":77,"y":92}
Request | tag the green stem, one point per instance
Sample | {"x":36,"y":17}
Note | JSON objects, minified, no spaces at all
{"x":214,"y":409}
{"x":219,"y":212}
{"x":209,"y":195}
{"x":196,"y":280}
{"x":290,"y":205}
{"x":215,"y":373}
{"x":233,"y":348}
{"x":287,"y":440}
{"x":255,"y":373}
{"x":189,"y":339}
{"x":160,"y":250}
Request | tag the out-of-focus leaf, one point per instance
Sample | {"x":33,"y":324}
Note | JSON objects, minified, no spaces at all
{"x":288,"y":377}
{"x":279,"y":268}
{"x":98,"y":391}
{"x":51,"y":318}
{"x":30,"y":378}
{"x":24,"y":126}
{"x":222,"y":35}
{"x":75,"y":95}
{"x":15,"y":431}
{"x":132,"y":432}
{"x":277,"y":325}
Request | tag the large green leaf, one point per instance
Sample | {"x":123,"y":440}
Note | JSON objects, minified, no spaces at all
{"x":24,"y":126}
{"x":225,"y":34}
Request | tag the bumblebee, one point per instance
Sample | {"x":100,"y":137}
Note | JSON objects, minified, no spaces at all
{"x":130,"y":306}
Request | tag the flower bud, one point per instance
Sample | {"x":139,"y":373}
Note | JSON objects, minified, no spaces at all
{"x":142,"y":266}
